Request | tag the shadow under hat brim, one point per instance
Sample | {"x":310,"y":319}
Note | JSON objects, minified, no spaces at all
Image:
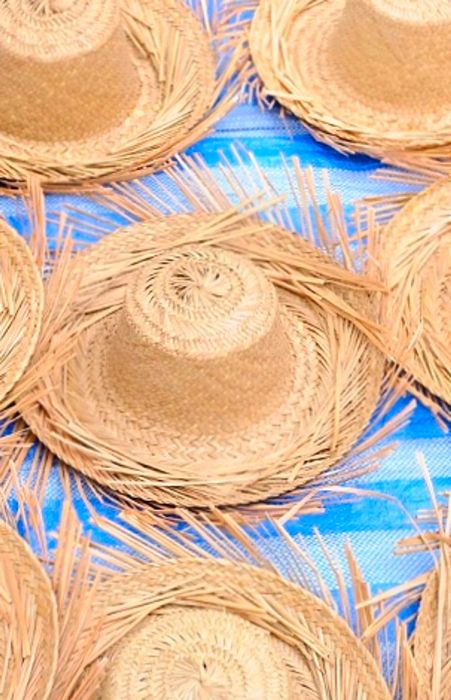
{"x":35,"y":593}
{"x":418,"y":310}
{"x":316,"y":642}
{"x":297,"y":68}
{"x":339,"y":405}
{"x":168,"y":108}
{"x":20,"y":309}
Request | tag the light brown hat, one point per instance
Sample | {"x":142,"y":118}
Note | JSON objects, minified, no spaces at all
{"x":364,"y":75}
{"x":28,"y":622}
{"x":21,"y":305}
{"x":102,"y":89}
{"x":417,"y":258}
{"x":216,"y":359}
{"x":212,"y":629}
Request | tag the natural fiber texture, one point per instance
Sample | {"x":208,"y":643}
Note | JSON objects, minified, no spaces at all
{"x":433,"y":634}
{"x":97,"y":90}
{"x":271,"y":387}
{"x":217,"y":630}
{"x":416,"y":263}
{"x":363,"y":75}
{"x":21,"y":304}
{"x":28,"y":623}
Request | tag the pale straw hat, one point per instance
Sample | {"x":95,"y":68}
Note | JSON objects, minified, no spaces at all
{"x":364,"y":75}
{"x":212,"y":629}
{"x":101,"y":89}
{"x":21,"y":305}
{"x":417,"y":259}
{"x":194,"y":376}
{"x":28,"y":622}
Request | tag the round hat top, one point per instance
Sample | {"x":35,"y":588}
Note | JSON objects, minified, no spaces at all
{"x":52,"y":30}
{"x":201,"y":302}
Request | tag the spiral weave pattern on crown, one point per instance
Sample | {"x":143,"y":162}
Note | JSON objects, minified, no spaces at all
{"x":50,"y":30}
{"x":199,"y":344}
{"x":202,"y":303}
{"x":198,"y":654}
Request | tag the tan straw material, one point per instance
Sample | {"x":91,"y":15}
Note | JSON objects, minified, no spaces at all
{"x":363,"y":75}
{"x":28,"y":622}
{"x":219,"y":630}
{"x":432,"y":639}
{"x":196,"y":374}
{"x":21,"y":304}
{"x":416,"y":254}
{"x":105,"y":89}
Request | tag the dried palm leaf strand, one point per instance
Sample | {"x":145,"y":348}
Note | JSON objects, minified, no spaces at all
{"x":363,"y":75}
{"x":313,"y":303}
{"x":103,"y":90}
{"x":21,"y":304}
{"x":28,"y":622}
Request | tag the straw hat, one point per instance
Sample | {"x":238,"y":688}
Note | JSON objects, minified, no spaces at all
{"x":417,"y":255}
{"x":217,"y":630}
{"x":99,"y":89}
{"x":194,"y":379}
{"x":364,"y":75}
{"x":21,"y":302}
{"x":28,"y":622}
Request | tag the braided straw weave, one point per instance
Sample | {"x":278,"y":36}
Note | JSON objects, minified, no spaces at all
{"x":28,"y":622}
{"x":195,"y":379}
{"x":364,"y":75}
{"x":417,"y":256}
{"x":103,"y":89}
{"x":207,"y":629}
{"x":21,"y":304}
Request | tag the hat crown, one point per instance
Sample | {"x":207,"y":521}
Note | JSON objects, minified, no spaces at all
{"x":396,"y":51}
{"x":53,"y":30}
{"x":66,"y":69}
{"x":199,"y":344}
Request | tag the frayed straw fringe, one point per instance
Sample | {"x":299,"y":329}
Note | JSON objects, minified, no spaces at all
{"x":248,"y":191}
{"x":431,"y":151}
{"x":179,"y":123}
{"x":427,"y":372}
{"x":424,"y":661}
{"x":93,"y":624}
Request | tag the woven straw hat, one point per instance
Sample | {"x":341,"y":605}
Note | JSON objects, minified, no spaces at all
{"x":28,"y":622}
{"x":417,"y":256}
{"x":21,"y":303}
{"x":100,"y":89}
{"x":194,"y":379}
{"x":218,"y":630}
{"x":364,"y":75}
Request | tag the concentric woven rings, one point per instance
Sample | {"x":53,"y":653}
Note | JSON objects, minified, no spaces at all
{"x":322,"y":395}
{"x":417,"y":255}
{"x":230,"y":631}
{"x":28,"y":622}
{"x":294,"y":48}
{"x":21,"y":304}
{"x":176,"y":92}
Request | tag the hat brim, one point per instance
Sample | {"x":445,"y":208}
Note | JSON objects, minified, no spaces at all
{"x":327,"y":410}
{"x":174,"y":107}
{"x":291,"y":51}
{"x":417,"y":257}
{"x":314,"y":642}
{"x":29,"y":587}
{"x":21,"y":305}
